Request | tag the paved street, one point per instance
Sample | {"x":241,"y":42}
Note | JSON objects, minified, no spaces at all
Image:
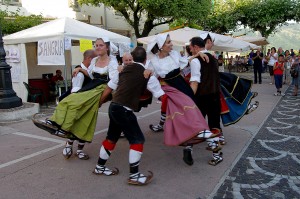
{"x":270,"y":167}
{"x":260,"y":159}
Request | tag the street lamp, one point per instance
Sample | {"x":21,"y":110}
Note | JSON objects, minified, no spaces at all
{"x":8,"y":97}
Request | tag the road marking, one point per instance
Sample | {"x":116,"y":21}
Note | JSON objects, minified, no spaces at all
{"x":39,"y":137}
{"x":30,"y":156}
{"x":62,"y":143}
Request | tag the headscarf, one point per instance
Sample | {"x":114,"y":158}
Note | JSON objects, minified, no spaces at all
{"x":205,"y":35}
{"x":159,"y":39}
{"x":112,"y":47}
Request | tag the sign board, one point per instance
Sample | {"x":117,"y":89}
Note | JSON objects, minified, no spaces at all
{"x":51,"y":52}
{"x":13,"y":58}
{"x":85,"y":44}
{"x":68,"y":43}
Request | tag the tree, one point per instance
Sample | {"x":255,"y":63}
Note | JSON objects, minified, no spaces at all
{"x":223,"y":17}
{"x":153,"y":13}
{"x":12,"y":22}
{"x":266,"y":16}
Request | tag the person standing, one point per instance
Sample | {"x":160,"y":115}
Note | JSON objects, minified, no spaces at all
{"x":295,"y":71}
{"x":257,"y":66}
{"x":128,"y":86}
{"x":278,"y":75}
{"x":287,"y":67}
{"x":272,"y":59}
{"x":221,"y":63}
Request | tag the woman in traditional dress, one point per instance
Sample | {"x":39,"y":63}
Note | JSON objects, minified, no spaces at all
{"x":184,"y":123}
{"x":76,"y":115}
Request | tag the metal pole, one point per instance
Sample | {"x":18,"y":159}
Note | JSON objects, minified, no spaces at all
{"x":8,"y":97}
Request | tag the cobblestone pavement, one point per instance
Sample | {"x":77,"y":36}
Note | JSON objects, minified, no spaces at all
{"x":270,"y":166}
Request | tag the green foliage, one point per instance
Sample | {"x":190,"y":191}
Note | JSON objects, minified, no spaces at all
{"x":12,"y":22}
{"x":185,"y":23}
{"x":264,"y":16}
{"x":223,"y":17}
{"x":151,"y":13}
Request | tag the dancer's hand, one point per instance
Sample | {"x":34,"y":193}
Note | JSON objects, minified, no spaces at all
{"x":147,"y":73}
{"x":76,"y":71}
{"x":120,"y":68}
{"x":203,"y":56}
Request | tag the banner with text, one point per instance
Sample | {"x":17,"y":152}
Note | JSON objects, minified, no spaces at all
{"x":51,"y":52}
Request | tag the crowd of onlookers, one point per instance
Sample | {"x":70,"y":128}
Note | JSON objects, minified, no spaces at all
{"x":270,"y":62}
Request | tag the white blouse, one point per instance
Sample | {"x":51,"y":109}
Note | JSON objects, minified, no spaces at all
{"x":162,"y":66}
{"x":273,"y":60}
{"x":111,"y":68}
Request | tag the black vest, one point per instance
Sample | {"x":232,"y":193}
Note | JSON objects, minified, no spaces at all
{"x":210,"y":79}
{"x":131,"y":86}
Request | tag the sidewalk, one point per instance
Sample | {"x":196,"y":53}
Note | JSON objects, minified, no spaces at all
{"x":270,"y":166}
{"x":31,"y":164}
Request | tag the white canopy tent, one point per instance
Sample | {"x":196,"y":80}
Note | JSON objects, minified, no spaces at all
{"x":26,"y":43}
{"x":257,"y":40}
{"x":182,"y":36}
{"x":63,"y":27}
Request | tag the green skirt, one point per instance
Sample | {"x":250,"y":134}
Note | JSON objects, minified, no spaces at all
{"x":78,"y":113}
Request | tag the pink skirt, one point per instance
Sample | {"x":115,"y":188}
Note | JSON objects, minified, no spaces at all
{"x":183,"y":119}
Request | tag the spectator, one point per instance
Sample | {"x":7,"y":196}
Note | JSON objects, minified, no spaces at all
{"x":249,"y":63}
{"x":287,"y":67}
{"x":57,"y":77}
{"x":221,"y":63}
{"x":272,"y":59}
{"x":251,"y":54}
{"x":278,"y":75}
{"x":257,"y":66}
{"x":54,"y":80}
{"x":296,"y":78}
{"x":292,"y":52}
{"x":230,"y":64}
{"x":265,"y":64}
{"x":269,"y":52}
{"x":280,"y":52}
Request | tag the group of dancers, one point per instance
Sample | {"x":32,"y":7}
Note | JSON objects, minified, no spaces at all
{"x":185,"y":104}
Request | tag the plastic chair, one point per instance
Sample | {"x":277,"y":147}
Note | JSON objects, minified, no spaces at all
{"x":34,"y":93}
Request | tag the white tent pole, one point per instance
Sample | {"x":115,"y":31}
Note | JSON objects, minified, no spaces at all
{"x":65,"y":72}
{"x":65,"y":68}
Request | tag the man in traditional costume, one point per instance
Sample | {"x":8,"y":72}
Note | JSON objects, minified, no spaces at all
{"x":129,"y":85}
{"x":207,"y":93}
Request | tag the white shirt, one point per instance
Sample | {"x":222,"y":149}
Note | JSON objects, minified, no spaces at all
{"x":273,"y":60}
{"x":78,"y":80}
{"x":195,"y":70}
{"x":153,"y":84}
{"x":162,"y":66}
